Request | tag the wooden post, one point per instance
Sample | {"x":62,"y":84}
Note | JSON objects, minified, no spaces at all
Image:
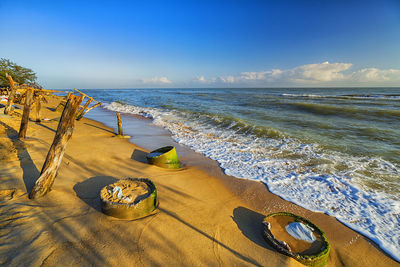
{"x":82,"y":109}
{"x":87,"y":110}
{"x":56,"y":152}
{"x":25,"y":114}
{"x":120,"y":133}
{"x":11,"y":95}
{"x":38,"y":106}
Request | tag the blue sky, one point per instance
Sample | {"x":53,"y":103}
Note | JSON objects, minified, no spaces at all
{"x":128,"y":44}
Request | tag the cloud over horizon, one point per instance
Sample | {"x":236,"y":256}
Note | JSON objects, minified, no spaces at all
{"x":310,"y":74}
{"x":156,"y":80}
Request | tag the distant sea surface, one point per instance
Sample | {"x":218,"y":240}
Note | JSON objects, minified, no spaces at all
{"x":332,"y":150}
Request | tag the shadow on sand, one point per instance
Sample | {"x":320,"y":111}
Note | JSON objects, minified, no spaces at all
{"x":89,"y":190}
{"x":250,"y":224}
{"x":30,"y":172}
{"x":99,"y":127}
{"x":139,"y":156}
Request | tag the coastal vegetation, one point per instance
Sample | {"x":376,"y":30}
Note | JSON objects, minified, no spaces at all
{"x":21,"y":75}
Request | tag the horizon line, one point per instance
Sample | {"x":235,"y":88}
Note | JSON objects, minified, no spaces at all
{"x":287,"y":87}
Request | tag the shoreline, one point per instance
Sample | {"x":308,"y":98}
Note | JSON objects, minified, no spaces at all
{"x":203,"y":162}
{"x":193,"y":200}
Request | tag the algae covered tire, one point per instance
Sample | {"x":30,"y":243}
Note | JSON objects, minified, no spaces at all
{"x":140,"y":207}
{"x":164,"y":157}
{"x":317,"y":259}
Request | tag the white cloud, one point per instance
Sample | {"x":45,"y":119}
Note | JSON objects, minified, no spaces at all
{"x":376,"y":75}
{"x":228,"y":79}
{"x":203,"y":80}
{"x":318,"y":73}
{"x":200,"y":79}
{"x":156,"y":80}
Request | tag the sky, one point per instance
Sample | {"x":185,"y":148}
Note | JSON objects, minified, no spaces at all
{"x":144,"y":44}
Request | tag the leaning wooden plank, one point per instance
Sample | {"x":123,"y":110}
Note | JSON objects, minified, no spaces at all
{"x":87,"y":110}
{"x":53,"y":160}
{"x":11,"y":95}
{"x":25,"y":114}
{"x":86,"y":95}
{"x":41,"y":91}
{"x":49,"y":91}
{"x":82,"y":109}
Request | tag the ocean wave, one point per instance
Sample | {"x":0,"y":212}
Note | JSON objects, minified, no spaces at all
{"x":346,"y":97}
{"x":347,"y":111}
{"x":306,"y":174}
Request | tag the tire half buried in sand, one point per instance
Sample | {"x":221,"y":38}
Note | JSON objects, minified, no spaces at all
{"x":130,"y":198}
{"x":164,"y":157}
{"x":297,"y":237}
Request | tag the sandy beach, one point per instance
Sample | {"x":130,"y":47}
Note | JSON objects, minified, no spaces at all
{"x":205,"y":218}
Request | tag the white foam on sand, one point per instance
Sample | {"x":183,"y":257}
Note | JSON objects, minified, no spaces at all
{"x":300,"y":231}
{"x":324,"y":181}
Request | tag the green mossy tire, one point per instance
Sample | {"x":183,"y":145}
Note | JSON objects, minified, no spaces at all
{"x":314,"y":260}
{"x":168,"y":158}
{"x":129,"y":211}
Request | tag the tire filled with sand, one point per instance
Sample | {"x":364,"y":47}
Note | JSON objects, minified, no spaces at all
{"x":130,"y":198}
{"x":297,"y":237}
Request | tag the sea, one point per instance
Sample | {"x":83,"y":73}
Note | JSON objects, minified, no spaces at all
{"x":330,"y":150}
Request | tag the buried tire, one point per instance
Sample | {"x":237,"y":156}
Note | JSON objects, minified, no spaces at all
{"x":130,"y":198}
{"x":164,"y":157}
{"x":316,"y":253}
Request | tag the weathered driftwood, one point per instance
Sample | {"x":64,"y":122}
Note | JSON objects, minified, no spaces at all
{"x":83,"y":94}
{"x":23,"y":88}
{"x":61,"y":105}
{"x":87,"y":110}
{"x":47,"y":91}
{"x":11,"y":95}
{"x":25,"y":114}
{"x":120,"y":132}
{"x":38,"y":107}
{"x":82,"y":109}
{"x":54,"y":157}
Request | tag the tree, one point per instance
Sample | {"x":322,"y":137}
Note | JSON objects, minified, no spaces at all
{"x":20,"y":74}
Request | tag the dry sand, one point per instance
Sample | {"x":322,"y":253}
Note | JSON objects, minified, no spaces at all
{"x":205,"y":218}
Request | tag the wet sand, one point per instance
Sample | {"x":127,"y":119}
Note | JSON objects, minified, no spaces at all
{"x":205,"y":218}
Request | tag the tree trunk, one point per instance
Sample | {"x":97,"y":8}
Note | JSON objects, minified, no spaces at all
{"x":87,"y":110}
{"x":119,"y":125}
{"x":54,"y":157}
{"x":38,"y":107}
{"x":10,"y":96}
{"x":25,"y":114}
